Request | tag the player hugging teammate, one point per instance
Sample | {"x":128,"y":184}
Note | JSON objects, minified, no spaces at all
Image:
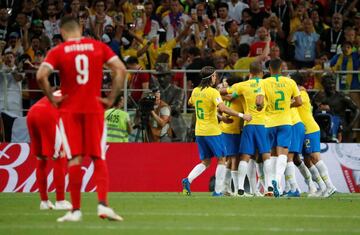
{"x":278,"y":126}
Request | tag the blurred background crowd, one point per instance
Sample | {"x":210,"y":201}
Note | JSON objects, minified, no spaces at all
{"x":314,"y":36}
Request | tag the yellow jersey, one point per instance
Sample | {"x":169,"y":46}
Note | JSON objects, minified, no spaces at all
{"x":306,"y":115}
{"x":279,"y":91}
{"x":295,"y":117}
{"x":205,"y":102}
{"x":166,"y":47}
{"x":250,"y":89}
{"x":243,"y":63}
{"x":238,"y":105}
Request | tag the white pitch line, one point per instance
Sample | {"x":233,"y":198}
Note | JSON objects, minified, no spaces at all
{"x":200,"y":214}
{"x":125,"y":227}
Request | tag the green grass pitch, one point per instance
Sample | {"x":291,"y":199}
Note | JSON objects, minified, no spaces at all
{"x":173,"y":213}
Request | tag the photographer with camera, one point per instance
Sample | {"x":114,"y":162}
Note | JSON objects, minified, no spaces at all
{"x":159,"y":122}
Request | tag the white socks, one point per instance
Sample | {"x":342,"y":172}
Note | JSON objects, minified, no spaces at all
{"x":290,"y":176}
{"x":280,"y":167}
{"x":317,"y":178}
{"x":260,"y":173}
{"x":268,"y":173}
{"x":220,"y":177}
{"x":251,"y":173}
{"x":196,"y":171}
{"x":227,"y":181}
{"x":242,"y":169}
{"x":307,"y":176}
{"x":235,"y":178}
{"x":273,"y":168}
{"x":320,"y":165}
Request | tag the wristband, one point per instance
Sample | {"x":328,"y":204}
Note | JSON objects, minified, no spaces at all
{"x":241,"y":115}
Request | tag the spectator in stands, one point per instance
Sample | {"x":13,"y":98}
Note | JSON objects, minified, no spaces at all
{"x":347,"y":60}
{"x":249,"y":33}
{"x":274,"y":54}
{"x":276,"y":32}
{"x":232,"y":28}
{"x":73,"y":8}
{"x":297,"y":17}
{"x":283,"y":10}
{"x":118,"y":122}
{"x":174,"y":97}
{"x":332,"y":38}
{"x":37,"y":31}
{"x":236,"y":8}
{"x":31,"y":10}
{"x":338,"y":103}
{"x":100,"y":19}
{"x":319,"y":25}
{"x":175,"y":22}
{"x":4,"y":17}
{"x":151,"y":24}
{"x":196,"y":62}
{"x":159,"y":124}
{"x":350,"y":36}
{"x":338,"y":7}
{"x":257,"y":14}
{"x":257,"y":47}
{"x":10,"y":85}
{"x":305,"y":40}
{"x":14,"y":43}
{"x":52,"y":24}
{"x":222,"y":18}
{"x":136,"y":81}
{"x":33,"y":65}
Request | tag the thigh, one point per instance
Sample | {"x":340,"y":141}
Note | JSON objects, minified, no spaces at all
{"x":262,"y":143}
{"x":283,"y":136}
{"x":94,"y":143}
{"x":204,"y":150}
{"x":72,"y":133}
{"x":247,"y":142}
{"x":311,"y":143}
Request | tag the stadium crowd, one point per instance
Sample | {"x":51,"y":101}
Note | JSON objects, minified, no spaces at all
{"x":186,"y":34}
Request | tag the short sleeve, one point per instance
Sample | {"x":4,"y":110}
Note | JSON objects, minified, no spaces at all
{"x":165,"y":111}
{"x":216,"y":97}
{"x":295,"y":89}
{"x":52,"y":58}
{"x":108,"y":54}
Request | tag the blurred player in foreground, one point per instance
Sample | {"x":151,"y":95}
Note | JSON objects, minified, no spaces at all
{"x":45,"y":143}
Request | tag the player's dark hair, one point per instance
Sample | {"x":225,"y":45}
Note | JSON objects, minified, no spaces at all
{"x":243,"y":50}
{"x":255,"y":68}
{"x":69,"y":23}
{"x":275,"y":65}
{"x":131,"y":60}
{"x":298,"y":78}
{"x":205,"y":74}
{"x":233,"y":79}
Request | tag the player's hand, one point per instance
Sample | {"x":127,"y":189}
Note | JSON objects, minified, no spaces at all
{"x":106,"y":102}
{"x":227,"y":120}
{"x":56,"y":100}
{"x":247,"y":117}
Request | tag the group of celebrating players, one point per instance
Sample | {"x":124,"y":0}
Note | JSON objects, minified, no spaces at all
{"x":277,"y":127}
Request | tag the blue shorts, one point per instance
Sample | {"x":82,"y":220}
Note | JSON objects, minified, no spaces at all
{"x":232,"y":143}
{"x":254,"y":138}
{"x":279,"y":136}
{"x":311,"y":143}
{"x":210,"y":146}
{"x":297,"y":138}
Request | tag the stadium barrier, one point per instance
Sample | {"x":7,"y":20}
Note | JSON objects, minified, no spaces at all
{"x":136,"y":167}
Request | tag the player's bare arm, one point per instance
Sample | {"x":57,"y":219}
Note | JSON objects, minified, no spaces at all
{"x":119,"y":72}
{"x":42,"y":76}
{"x":224,"y":109}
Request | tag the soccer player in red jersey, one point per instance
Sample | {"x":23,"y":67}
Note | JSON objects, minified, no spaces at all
{"x":45,"y":143}
{"x":80,"y":63}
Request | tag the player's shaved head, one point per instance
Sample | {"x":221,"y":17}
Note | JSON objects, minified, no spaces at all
{"x":275,"y":65}
{"x":69,"y":24}
{"x":255,"y":68}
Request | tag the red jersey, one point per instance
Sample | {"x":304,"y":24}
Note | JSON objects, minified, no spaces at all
{"x":80,"y":64}
{"x":257,"y":48}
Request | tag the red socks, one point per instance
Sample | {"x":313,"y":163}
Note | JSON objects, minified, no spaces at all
{"x":41,"y":179}
{"x":59,"y":178}
{"x":102,"y":180}
{"x":75,"y":179}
